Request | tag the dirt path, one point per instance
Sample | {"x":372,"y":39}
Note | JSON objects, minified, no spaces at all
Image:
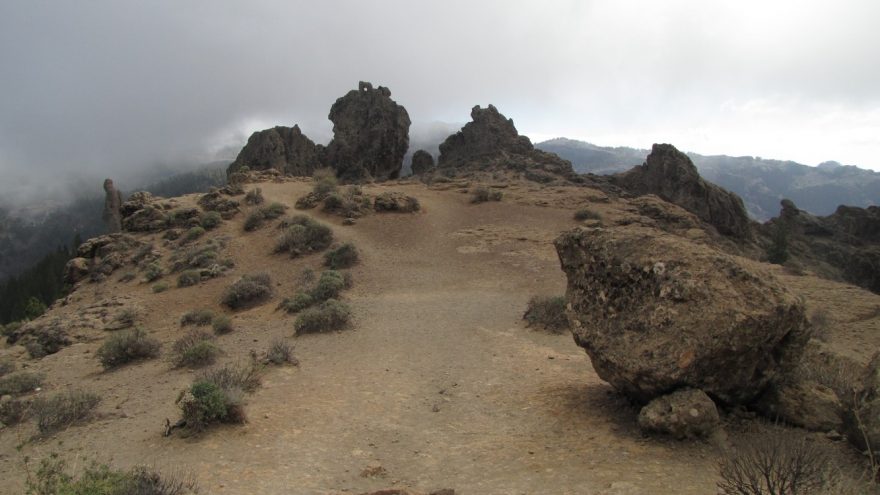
{"x":439,"y":382}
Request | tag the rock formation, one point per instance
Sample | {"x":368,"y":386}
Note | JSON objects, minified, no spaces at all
{"x":422,"y":161}
{"x":657,"y":313}
{"x":112,"y":203}
{"x":370,"y":135}
{"x":491,"y":141}
{"x":285,"y":149}
{"x":844,"y":245}
{"x":670,"y":174}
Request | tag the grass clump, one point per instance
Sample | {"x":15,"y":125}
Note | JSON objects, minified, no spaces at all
{"x":221,"y":324}
{"x":483,"y":194}
{"x":210,"y":220}
{"x":52,"y":478}
{"x":195,"y":349}
{"x":192,"y":234}
{"x":280,"y":352}
{"x":127,"y":346}
{"x":63,"y":409}
{"x":586,"y":214}
{"x":345,"y":256}
{"x":331,"y":315}
{"x":160,"y":287}
{"x":198,"y":317}
{"x":303,"y":235}
{"x":548,"y":313}
{"x":254,"y":197}
{"x":247,"y":291}
{"x":20,"y":382}
{"x":189,"y":278}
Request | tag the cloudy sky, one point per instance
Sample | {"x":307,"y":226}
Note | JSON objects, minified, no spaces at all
{"x":95,"y":88}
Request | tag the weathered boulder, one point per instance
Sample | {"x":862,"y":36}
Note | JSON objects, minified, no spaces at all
{"x":686,"y":413}
{"x":422,"y":161}
{"x":75,"y":270}
{"x":805,"y":403}
{"x":656,"y":312}
{"x":396,"y":202}
{"x":112,"y":204}
{"x":285,"y":149}
{"x":490,"y":141}
{"x":370,"y":135}
{"x":217,"y":200}
{"x":670,"y":174}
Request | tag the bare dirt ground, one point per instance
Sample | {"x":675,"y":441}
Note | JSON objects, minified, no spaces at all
{"x":438,"y":380}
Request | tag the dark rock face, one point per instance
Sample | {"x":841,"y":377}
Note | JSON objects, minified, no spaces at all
{"x":491,"y":141}
{"x":370,"y":135}
{"x":670,"y":174}
{"x":112,"y":203}
{"x":684,"y":414}
{"x":285,"y":149}
{"x":422,"y":161}
{"x":657,"y":313}
{"x":843,"y":245}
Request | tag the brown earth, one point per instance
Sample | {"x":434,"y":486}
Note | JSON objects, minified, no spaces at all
{"x":438,"y":380}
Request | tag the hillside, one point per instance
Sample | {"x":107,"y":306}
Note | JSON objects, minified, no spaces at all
{"x":761,"y":183}
{"x":436,"y":383}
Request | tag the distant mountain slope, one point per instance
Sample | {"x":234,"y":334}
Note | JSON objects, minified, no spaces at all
{"x":761,"y":183}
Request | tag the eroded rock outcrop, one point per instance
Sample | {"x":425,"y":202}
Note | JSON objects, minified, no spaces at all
{"x":657,"y":313}
{"x":671,"y":175}
{"x":370,"y":135}
{"x":422,"y":162}
{"x":285,"y":149}
{"x":490,"y":141}
{"x":112,"y":204}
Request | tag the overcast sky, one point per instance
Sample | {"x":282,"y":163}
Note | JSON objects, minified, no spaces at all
{"x":95,"y":88}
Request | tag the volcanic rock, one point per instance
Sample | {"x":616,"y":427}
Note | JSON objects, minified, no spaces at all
{"x":112,"y":204}
{"x":370,"y":135}
{"x":422,"y":161}
{"x":656,"y":312}
{"x":491,"y":141}
{"x":670,"y":174}
{"x":285,"y":149}
{"x":686,"y":413}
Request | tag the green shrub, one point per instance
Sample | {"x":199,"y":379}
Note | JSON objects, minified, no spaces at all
{"x":52,"y":478}
{"x":547,"y":312}
{"x":254,"y":197}
{"x":63,"y":409}
{"x":482,"y":194}
{"x":329,"y":285}
{"x":193,"y":233}
{"x":160,"y":287}
{"x":221,"y":324}
{"x":217,"y":396}
{"x":199,"y":317}
{"x":280,"y":352}
{"x":210,"y":220}
{"x":125,"y":347}
{"x":189,"y":278}
{"x":297,"y":303}
{"x":152,"y":272}
{"x":207,"y":405}
{"x":329,"y":316}
{"x":325,"y":182}
{"x":253,"y":221}
{"x":248,"y":290}
{"x":304,"y":237}
{"x":195,"y":349}
{"x":20,"y":382}
{"x":586,"y":214}
{"x":345,"y":256}
{"x":272,"y":210}
{"x":13,"y":411}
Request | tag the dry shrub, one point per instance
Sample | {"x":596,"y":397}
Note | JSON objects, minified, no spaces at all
{"x":482,"y":194}
{"x":254,"y":197}
{"x":63,"y":409}
{"x":248,"y":291}
{"x":127,"y":346}
{"x":189,"y":278}
{"x":221,"y":324}
{"x":586,"y":214}
{"x":198,"y":317}
{"x":325,"y":182}
{"x":345,"y":256}
{"x":331,"y":315}
{"x":52,"y":478}
{"x":195,"y":349}
{"x":547,"y":312}
{"x":217,"y":396}
{"x":303,"y":235}
{"x":20,"y":382}
{"x":280,"y":352}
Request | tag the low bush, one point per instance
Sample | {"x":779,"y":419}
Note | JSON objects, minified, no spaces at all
{"x":547,"y":312}
{"x":63,"y":409}
{"x":280,"y":352}
{"x":128,"y":277}
{"x":330,"y":284}
{"x":189,"y":278}
{"x":160,"y":287}
{"x":53,"y":478}
{"x":325,"y":182}
{"x":217,"y":396}
{"x":254,"y":197}
{"x":199,"y":317}
{"x":127,"y":346}
{"x":345,"y":256}
{"x":210,"y":220}
{"x":221,"y":324}
{"x":272,"y":210}
{"x":195,"y":349}
{"x":303,"y":235}
{"x":253,"y":221}
{"x":248,"y":290}
{"x":482,"y":194}
{"x":13,"y":411}
{"x":152,"y":272}
{"x":125,"y":318}
{"x":20,"y":382}
{"x":231,"y":376}
{"x":6,"y":366}
{"x":192,"y":234}
{"x":297,"y":303}
{"x":586,"y":214}
{"x":331,"y":315}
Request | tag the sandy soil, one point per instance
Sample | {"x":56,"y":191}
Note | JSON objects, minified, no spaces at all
{"x":438,"y":380}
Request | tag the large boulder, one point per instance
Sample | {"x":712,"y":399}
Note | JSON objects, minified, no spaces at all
{"x":685,"y":414}
{"x":285,"y":149}
{"x":670,"y":174}
{"x":490,"y":141}
{"x":422,"y":162}
{"x":656,"y":312}
{"x":370,"y":135}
